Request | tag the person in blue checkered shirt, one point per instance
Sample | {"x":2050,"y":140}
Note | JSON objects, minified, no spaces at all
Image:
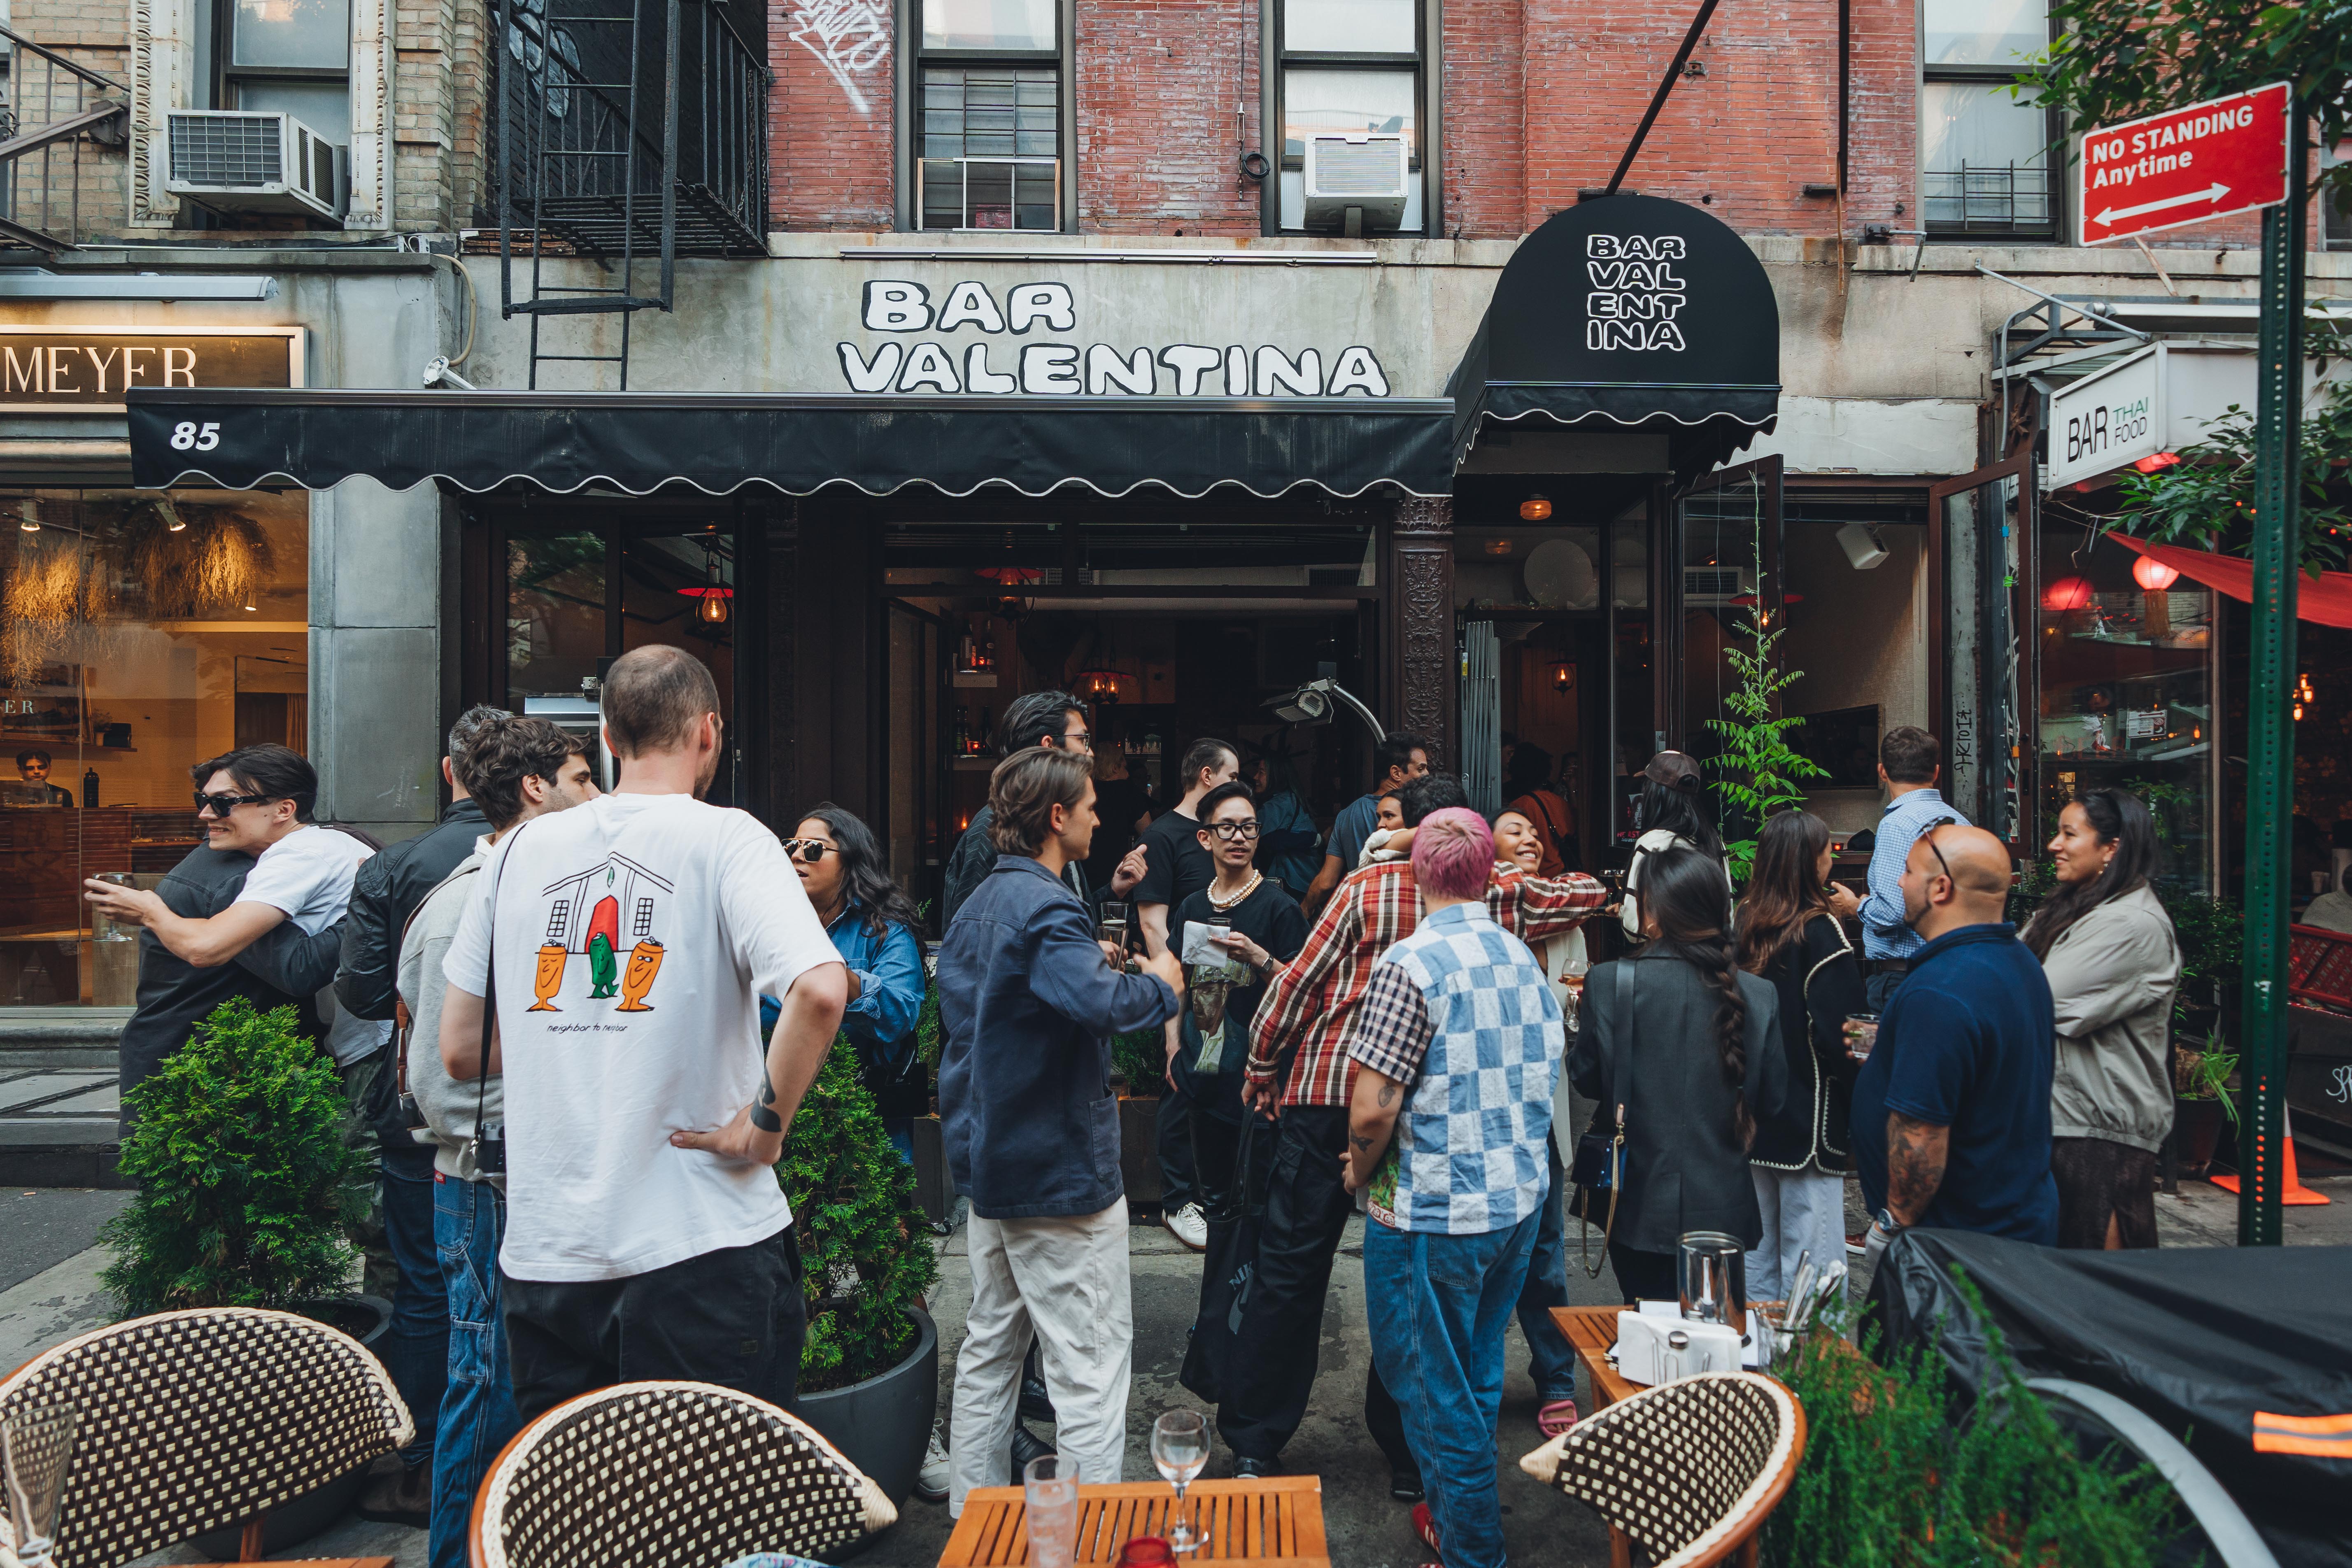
{"x":1457,"y":1047}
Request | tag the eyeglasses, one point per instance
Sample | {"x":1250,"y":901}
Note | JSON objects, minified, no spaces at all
{"x":221,"y":805}
{"x":1928,"y":836}
{"x":1079,"y":740}
{"x":1233,"y":832}
{"x":811,"y":850}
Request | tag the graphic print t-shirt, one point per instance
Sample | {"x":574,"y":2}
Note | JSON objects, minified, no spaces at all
{"x":634,"y":936}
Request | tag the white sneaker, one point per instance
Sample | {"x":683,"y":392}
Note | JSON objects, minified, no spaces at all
{"x":1189,"y":1225}
{"x":931,"y":1480}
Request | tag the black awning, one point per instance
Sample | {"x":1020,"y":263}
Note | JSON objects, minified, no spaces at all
{"x":638,"y":442}
{"x":1628,"y":313}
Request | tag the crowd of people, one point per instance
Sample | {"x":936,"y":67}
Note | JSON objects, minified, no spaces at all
{"x":575,"y":1027}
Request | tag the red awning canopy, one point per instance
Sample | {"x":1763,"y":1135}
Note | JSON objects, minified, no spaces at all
{"x":2328,"y":601}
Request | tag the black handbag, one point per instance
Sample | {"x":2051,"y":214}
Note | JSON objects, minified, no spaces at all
{"x":1229,"y":1264}
{"x":1598,"y":1169}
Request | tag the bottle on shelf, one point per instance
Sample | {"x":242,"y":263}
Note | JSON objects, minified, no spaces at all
{"x":960,"y":732}
{"x":90,"y":788}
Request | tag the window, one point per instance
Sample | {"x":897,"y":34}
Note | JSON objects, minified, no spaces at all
{"x":990,"y":86}
{"x":287,"y":55}
{"x":2336,"y":203}
{"x":1984,"y":155}
{"x":1352,"y":76}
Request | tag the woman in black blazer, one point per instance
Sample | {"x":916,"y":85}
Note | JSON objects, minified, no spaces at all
{"x":1791,"y":934}
{"x":1703,"y":1067}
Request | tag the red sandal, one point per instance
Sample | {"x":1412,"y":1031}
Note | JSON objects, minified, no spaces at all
{"x":1555,"y":1416}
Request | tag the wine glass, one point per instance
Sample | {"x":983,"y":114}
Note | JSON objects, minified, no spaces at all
{"x":1179,"y":1447}
{"x":34,"y":1445}
{"x":1571,"y":976}
{"x":1049,"y":1484}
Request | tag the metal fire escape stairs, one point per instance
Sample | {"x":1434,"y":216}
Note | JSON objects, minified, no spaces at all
{"x":48,"y":107}
{"x":627,"y":133}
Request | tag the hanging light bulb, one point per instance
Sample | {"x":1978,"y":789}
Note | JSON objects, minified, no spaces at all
{"x":1534,"y":509}
{"x":712,"y":600}
{"x":1563,"y":676}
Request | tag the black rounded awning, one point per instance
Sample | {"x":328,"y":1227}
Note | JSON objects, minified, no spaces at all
{"x":1628,"y":312}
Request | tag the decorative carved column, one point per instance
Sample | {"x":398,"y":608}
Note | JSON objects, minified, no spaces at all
{"x":1420,"y":686}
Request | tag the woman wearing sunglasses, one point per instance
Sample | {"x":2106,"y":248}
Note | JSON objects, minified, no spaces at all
{"x":872,"y":923}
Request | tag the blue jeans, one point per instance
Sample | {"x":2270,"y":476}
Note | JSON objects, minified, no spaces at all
{"x":477,"y":1413}
{"x":1438,"y":1305}
{"x":901,"y":1131}
{"x":417,"y":1346}
{"x":1550,"y":1361}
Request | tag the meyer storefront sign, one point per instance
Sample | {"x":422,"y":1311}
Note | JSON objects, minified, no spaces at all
{"x":2160,"y":399}
{"x":87,"y":368}
{"x":997,"y":346}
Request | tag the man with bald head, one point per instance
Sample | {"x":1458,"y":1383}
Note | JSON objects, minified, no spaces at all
{"x":1951,"y":1112}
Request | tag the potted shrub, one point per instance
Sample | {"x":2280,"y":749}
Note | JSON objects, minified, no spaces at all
{"x":869,"y":1377}
{"x":244,"y":1187}
{"x":1138,"y":1068}
{"x":2200,"y":1082}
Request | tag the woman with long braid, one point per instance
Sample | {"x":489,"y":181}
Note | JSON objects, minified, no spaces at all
{"x":1704,"y":1065}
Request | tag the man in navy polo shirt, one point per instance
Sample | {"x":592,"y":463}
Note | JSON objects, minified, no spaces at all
{"x":1952,"y":1113}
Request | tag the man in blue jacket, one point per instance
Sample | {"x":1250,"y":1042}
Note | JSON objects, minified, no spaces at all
{"x":1028,"y":1002}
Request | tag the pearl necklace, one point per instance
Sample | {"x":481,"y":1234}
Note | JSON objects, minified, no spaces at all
{"x":1248,"y":889}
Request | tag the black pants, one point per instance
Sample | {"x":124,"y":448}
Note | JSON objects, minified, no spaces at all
{"x":1273,"y":1368}
{"x":2099,"y":1179}
{"x":1645,"y":1276}
{"x":1174,"y":1133}
{"x":733,"y":1317}
{"x":1216,"y":1147}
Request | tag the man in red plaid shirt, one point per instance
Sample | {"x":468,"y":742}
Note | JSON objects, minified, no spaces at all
{"x":1310,"y":1008}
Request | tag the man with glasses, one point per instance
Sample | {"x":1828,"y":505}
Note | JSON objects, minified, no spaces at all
{"x":1909,"y":762}
{"x":1057,"y":721}
{"x":1952,"y":1111}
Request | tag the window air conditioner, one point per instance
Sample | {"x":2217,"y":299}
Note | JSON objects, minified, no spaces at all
{"x":1359,"y":171}
{"x":1714,"y":587}
{"x":238,"y":161}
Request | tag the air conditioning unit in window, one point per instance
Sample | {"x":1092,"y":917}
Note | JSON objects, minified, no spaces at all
{"x":1714,"y":587}
{"x":1356,"y":182}
{"x":242,"y":160}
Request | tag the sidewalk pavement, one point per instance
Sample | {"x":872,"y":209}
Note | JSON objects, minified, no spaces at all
{"x":1366,"y":1528}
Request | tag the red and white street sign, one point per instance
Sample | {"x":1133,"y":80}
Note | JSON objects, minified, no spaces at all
{"x":2184,"y":166}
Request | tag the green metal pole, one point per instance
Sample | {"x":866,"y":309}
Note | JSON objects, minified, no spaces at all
{"x":2270,"y":725}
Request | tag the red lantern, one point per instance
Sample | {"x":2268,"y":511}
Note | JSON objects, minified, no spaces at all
{"x":2153,"y":574}
{"x":2064,"y":593}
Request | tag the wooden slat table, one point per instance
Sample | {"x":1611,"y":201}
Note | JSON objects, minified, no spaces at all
{"x":1592,"y":1330}
{"x":1278,"y":1520}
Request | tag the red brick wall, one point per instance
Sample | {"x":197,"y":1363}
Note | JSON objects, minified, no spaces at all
{"x":1160,"y":146}
{"x":830,"y":159}
{"x":1485,"y":146}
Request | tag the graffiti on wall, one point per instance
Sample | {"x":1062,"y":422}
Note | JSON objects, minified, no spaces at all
{"x":851,"y":38}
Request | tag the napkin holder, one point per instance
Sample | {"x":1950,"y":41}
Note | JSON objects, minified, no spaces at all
{"x":1644,"y":1355}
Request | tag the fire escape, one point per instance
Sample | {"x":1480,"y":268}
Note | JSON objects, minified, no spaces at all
{"x":51,"y":106}
{"x":628,"y":133}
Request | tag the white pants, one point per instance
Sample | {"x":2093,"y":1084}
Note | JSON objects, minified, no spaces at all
{"x":1064,"y":1282}
{"x":1804,"y":1211}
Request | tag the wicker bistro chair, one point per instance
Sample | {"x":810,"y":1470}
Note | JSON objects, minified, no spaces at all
{"x":1691,"y":1469}
{"x":189,"y":1422}
{"x":669,"y":1475}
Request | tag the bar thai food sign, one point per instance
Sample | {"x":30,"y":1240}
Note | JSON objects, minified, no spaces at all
{"x":1026,"y":338}
{"x":87,"y":368}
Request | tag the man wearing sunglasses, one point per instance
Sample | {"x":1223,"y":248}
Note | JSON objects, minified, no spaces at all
{"x":1952,"y":1111}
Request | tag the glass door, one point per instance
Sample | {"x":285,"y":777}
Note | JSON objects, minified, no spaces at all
{"x":1728,"y":528}
{"x":1976,"y":524}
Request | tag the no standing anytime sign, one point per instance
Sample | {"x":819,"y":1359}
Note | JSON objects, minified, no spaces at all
{"x":2184,"y":166}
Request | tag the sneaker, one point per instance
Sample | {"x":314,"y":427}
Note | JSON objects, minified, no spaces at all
{"x":1026,"y":1446}
{"x":1406,"y":1486}
{"x":1189,"y":1225}
{"x":1248,"y":1469}
{"x":1426,"y":1528}
{"x":1036,"y":1399}
{"x":1858,"y":1244}
{"x":931,"y":1480}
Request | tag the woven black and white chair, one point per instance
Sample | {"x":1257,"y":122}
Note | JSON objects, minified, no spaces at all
{"x":669,"y":1475}
{"x":1691,"y":1469}
{"x":189,"y":1422}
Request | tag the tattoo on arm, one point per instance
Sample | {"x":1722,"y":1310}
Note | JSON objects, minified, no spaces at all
{"x":763,"y":1114}
{"x":1388,"y":1094}
{"x":1916,"y":1155}
{"x":1359,"y":1141}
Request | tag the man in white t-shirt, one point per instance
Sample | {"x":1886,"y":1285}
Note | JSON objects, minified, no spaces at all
{"x":629,"y":942}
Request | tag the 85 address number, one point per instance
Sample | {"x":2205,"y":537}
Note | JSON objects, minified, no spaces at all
{"x":188,"y":436}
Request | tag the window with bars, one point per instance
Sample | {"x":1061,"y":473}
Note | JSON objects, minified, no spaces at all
{"x":991,"y":94}
{"x":1985,"y":158}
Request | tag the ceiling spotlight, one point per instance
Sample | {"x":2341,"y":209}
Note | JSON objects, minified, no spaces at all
{"x":1314,"y":703}
{"x":1534,"y":509}
{"x":172,"y":522}
{"x":28,"y":515}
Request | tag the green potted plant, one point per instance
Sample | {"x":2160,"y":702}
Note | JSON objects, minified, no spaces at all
{"x":245,"y":1188}
{"x":2200,"y":1082}
{"x":869,"y":1371}
{"x":1138,"y":1068}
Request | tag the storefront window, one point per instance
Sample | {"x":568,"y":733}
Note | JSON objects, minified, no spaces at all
{"x":2127,"y":696}
{"x":140,"y":633}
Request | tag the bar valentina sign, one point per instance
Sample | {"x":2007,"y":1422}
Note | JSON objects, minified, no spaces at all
{"x":1048,"y":368}
{"x":1635,"y":291}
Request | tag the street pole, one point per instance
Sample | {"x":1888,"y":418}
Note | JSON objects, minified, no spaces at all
{"x":2270,"y":727}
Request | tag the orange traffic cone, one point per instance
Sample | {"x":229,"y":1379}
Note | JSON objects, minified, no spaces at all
{"x":2293,"y":1193}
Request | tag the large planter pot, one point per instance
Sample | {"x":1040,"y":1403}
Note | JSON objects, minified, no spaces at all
{"x":883,"y":1424}
{"x":291,"y":1523}
{"x":2197,"y":1132}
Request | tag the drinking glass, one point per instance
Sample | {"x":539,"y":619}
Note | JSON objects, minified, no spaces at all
{"x":1860,"y":1034}
{"x":34,"y":1445}
{"x":1117,"y":915}
{"x":1179,"y":1447}
{"x":1571,"y":975}
{"x":1049,"y":1486}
